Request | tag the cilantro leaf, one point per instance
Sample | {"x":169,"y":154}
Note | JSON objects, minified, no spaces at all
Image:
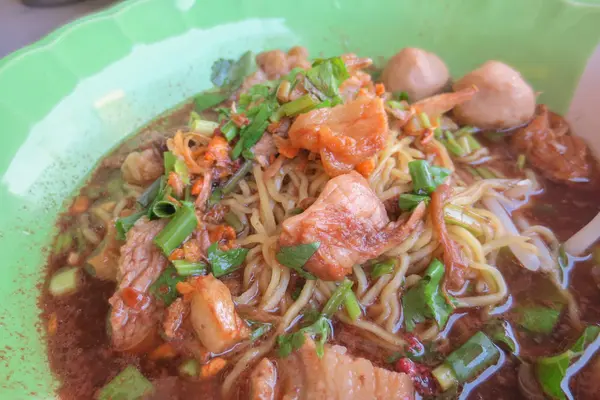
{"x":326,"y":75}
{"x":295,"y":257}
{"x":551,"y":371}
{"x":319,"y":331}
{"x":164,"y":288}
{"x":425,"y":300}
{"x":227,"y":76}
{"x":501,"y":333}
{"x":225,"y":262}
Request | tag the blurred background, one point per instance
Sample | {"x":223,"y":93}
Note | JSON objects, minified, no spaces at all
{"x":22,"y":24}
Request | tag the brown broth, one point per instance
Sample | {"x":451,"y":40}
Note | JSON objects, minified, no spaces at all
{"x":81,"y":355}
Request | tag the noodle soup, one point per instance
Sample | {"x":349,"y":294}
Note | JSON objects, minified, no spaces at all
{"x":326,"y":229}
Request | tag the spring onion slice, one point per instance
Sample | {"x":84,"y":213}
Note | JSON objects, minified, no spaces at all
{"x":383,"y":268}
{"x":178,"y":229}
{"x":337,"y":298}
{"x":352,"y":306}
{"x":164,"y":209}
{"x":408,"y":202}
{"x":188,"y":268}
{"x":150,"y":193}
{"x":232,"y":220}
{"x":64,"y":281}
{"x":472,"y":358}
{"x":124,"y":224}
{"x":233,"y":182}
{"x":130,"y":384}
{"x":189,"y":368}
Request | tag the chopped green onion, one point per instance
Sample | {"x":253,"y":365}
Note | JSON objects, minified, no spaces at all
{"x":425,"y":123}
{"x":232,"y":220}
{"x":445,"y":377}
{"x":248,"y":154}
{"x":473,"y":357}
{"x":229,"y":130}
{"x":164,"y":209}
{"x":178,"y":229}
{"x":538,"y":319}
{"x":233,"y":182}
{"x":383,"y":268}
{"x":337,"y":298}
{"x":189,"y":369}
{"x":473,"y":143}
{"x":129,"y":384}
{"x":203,"y":127}
{"x":188,"y":268}
{"x":452,"y":145}
{"x":396,"y":105}
{"x":64,"y":242}
{"x":426,"y":178}
{"x":301,"y":105}
{"x":464,"y":144}
{"x":124,"y":224}
{"x":402,"y":96}
{"x":465,"y":218}
{"x":472,"y":171}
{"x":295,"y":257}
{"x":485,"y":173}
{"x":64,"y":281}
{"x":150,"y":193}
{"x":465,"y":130}
{"x":258,"y":329}
{"x":164,"y":288}
{"x":438,"y":133}
{"x":408,"y":202}
{"x":352,"y":306}
{"x":251,"y":133}
{"x":215,"y":197}
{"x":225,"y":262}
{"x":521,"y":160}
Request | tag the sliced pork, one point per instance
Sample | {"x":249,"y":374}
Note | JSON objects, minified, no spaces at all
{"x":135,"y":315}
{"x":337,"y":375}
{"x":352,"y":225}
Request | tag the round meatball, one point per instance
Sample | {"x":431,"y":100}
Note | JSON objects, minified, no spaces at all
{"x":418,"y":72}
{"x":504,"y":99}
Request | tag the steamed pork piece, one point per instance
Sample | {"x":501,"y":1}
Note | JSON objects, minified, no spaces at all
{"x":417,"y":72}
{"x":555,"y":153}
{"x":135,"y":314}
{"x":350,"y":222}
{"x":215,"y":320}
{"x":142,"y":167}
{"x":344,"y":135}
{"x":504,"y":99}
{"x":303,"y":375}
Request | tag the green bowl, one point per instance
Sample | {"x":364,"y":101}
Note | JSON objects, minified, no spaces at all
{"x":68,"y":99}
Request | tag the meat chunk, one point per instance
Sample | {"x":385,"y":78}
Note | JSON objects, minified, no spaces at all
{"x":339,"y":376}
{"x":276,"y":63}
{"x":263,"y":381}
{"x":213,"y":315}
{"x":504,"y":99}
{"x":134,"y":320}
{"x":264,"y":149}
{"x":418,"y":72}
{"x":344,"y":135}
{"x":557,"y":155}
{"x":142,"y":167}
{"x":176,"y":313}
{"x":352,"y":225}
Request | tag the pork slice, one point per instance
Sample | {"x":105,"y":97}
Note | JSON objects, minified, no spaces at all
{"x":338,"y":375}
{"x":140,"y":264}
{"x":142,"y":167}
{"x":351,"y":224}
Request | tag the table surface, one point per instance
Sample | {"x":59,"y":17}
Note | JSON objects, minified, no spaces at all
{"x":21,"y":25}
